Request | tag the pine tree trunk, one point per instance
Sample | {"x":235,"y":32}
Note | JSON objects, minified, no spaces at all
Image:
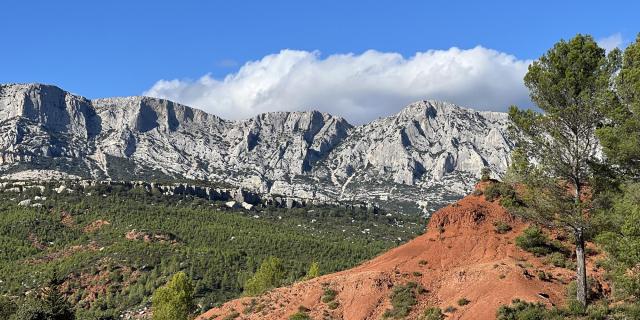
{"x":581,"y":270}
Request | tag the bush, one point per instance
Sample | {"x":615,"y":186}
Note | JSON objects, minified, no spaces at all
{"x":299,"y":316}
{"x":543,"y":276}
{"x":269,"y":275}
{"x":463,"y":301}
{"x":328,"y":295}
{"x":174,"y":301}
{"x":574,"y":307}
{"x":403,"y":298}
{"x":500,"y":190}
{"x":333,"y":305}
{"x":314,"y":271}
{"x":598,"y":311}
{"x":535,"y":241}
{"x":558,"y":259}
{"x":522,"y":310}
{"x":501,"y":227}
{"x":629,"y":311}
{"x":432,"y":313}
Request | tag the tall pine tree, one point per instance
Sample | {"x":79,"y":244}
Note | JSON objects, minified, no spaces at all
{"x":571,"y":85}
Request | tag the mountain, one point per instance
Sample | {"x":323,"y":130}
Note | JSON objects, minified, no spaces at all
{"x":462,"y":255}
{"x":419,"y":159}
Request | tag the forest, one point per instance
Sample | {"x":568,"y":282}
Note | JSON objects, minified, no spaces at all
{"x":108,"y":248}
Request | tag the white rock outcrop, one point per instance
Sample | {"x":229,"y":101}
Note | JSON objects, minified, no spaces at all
{"x":431,"y":151}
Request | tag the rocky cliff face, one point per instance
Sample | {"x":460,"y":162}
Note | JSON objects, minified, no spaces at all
{"x":427,"y":154}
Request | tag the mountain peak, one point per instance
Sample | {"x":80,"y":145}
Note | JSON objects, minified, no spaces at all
{"x":430,"y":145}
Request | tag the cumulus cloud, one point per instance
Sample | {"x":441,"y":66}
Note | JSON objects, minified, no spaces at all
{"x":358,"y":87}
{"x":611,"y":42}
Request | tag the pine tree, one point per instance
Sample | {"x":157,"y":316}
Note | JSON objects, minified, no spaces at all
{"x":571,"y":85}
{"x":314,"y":271}
{"x":174,"y":301}
{"x":620,"y":136}
{"x":269,"y":275}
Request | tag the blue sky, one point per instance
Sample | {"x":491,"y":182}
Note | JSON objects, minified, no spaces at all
{"x":116,"y":48}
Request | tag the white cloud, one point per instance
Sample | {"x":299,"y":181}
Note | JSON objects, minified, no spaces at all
{"x":358,"y":87}
{"x":611,"y":42}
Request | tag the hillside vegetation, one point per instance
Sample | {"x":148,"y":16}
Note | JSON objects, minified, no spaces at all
{"x":107,"y":249}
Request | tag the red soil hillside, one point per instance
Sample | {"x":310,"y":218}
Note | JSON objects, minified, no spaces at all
{"x":460,"y":256}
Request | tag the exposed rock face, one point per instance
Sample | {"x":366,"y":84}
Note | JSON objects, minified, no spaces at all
{"x":428,"y":145}
{"x":431,"y":151}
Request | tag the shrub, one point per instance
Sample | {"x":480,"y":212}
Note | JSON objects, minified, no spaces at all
{"x":268,"y":276}
{"x":535,"y":241}
{"x":333,"y":305}
{"x":463,"y":301}
{"x":559,"y":260}
{"x":485,"y":174}
{"x":499,"y":190}
{"x":522,"y":310}
{"x":328,"y":295}
{"x":403,"y":298}
{"x":314,"y":271}
{"x":543,"y":275}
{"x":432,"y":313}
{"x":575,"y":307}
{"x":174,"y":301}
{"x":501,"y":227}
{"x":300,"y":316}
{"x":598,"y":311}
{"x":417,"y":274}
{"x":422,"y":262}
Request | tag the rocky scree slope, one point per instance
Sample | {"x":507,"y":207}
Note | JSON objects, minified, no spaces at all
{"x":429,"y":148}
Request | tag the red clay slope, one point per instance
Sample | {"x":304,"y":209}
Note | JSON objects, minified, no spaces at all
{"x":465,"y":258}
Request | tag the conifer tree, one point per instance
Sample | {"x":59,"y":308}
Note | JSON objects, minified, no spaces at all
{"x":571,"y":84}
{"x":174,"y":301}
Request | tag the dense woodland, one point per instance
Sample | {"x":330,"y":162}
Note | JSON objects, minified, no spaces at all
{"x":107,"y":269}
